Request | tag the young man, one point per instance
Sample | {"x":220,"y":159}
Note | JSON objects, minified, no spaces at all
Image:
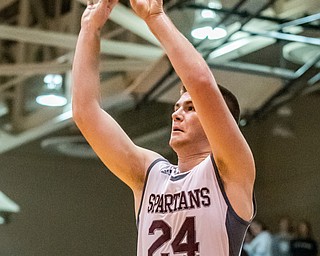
{"x":203,"y":205}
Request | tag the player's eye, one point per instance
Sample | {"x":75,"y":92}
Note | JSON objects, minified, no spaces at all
{"x":175,"y":108}
{"x":190,"y":108}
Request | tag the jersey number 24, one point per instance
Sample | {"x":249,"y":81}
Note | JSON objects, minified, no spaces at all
{"x":179,"y":245}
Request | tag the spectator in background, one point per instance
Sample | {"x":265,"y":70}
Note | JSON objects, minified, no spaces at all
{"x":262,"y":241}
{"x":281,"y":239}
{"x":304,"y":244}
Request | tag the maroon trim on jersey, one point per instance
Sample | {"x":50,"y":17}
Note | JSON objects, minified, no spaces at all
{"x":145,"y":184}
{"x":225,"y":195}
{"x":236,"y":233}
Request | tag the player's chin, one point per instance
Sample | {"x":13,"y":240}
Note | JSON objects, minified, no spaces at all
{"x":171,"y":141}
{"x":175,"y":140}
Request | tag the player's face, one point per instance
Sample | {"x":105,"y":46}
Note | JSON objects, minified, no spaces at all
{"x":186,"y":127}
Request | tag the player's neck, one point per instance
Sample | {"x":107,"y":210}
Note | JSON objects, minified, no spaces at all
{"x":187,"y":162}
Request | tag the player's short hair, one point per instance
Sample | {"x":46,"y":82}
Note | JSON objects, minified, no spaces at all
{"x":229,"y":98}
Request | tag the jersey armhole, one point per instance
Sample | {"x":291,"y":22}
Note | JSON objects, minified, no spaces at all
{"x":230,"y":208}
{"x":145,"y":184}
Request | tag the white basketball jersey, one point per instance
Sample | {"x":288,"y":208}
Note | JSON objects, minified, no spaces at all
{"x":187,"y":214}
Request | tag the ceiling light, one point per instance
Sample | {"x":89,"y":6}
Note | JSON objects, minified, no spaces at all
{"x":206,"y":21}
{"x":206,"y":14}
{"x":52,"y":94}
{"x":215,"y":4}
{"x":51,"y":100}
{"x":207,"y":32}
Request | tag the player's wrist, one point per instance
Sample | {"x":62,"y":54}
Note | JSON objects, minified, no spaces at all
{"x":90,"y":29}
{"x":89,"y":37}
{"x":155,"y":19}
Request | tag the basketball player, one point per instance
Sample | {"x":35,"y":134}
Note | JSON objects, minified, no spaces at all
{"x":204,"y":204}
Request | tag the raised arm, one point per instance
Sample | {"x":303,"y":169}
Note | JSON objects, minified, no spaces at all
{"x":126,"y":160}
{"x":232,"y":153}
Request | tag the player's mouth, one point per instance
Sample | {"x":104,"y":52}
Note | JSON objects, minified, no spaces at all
{"x":176,"y":129}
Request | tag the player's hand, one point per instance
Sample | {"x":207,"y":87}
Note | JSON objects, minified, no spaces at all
{"x":146,"y":9}
{"x":97,"y":13}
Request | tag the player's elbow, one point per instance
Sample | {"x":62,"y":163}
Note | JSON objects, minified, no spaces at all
{"x":77,"y":110}
{"x":82,"y":111}
{"x":78,"y":114}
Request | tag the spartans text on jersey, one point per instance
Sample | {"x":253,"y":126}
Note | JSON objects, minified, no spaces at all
{"x":183,"y":200}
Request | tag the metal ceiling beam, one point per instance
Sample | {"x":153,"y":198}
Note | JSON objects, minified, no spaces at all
{"x":241,"y":14}
{"x":55,"y":67}
{"x":285,"y":36}
{"x":283,"y":96}
{"x":234,"y":9}
{"x":257,"y":69}
{"x":313,"y":85}
{"x":11,"y":141}
{"x":243,"y":22}
{"x":315,"y":79}
{"x":38,"y":10}
{"x":68,"y":41}
{"x":156,"y":86}
{"x":171,"y":79}
{"x":300,"y":21}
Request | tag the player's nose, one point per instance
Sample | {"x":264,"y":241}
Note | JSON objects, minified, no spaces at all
{"x":177,"y":115}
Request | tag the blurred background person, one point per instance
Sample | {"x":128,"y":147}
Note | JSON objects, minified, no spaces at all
{"x":261,"y":244}
{"x":281,"y":239}
{"x":304,"y":244}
